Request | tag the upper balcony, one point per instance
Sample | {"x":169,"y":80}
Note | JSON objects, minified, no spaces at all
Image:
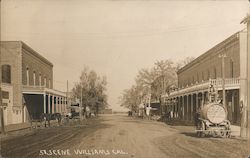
{"x":230,"y":83}
{"x":41,"y":90}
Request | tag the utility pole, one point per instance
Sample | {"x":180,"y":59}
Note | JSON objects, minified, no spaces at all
{"x":1,"y":104}
{"x":223,"y":56}
{"x":245,"y":104}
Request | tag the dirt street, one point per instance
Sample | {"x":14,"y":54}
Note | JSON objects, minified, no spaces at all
{"x":121,"y":136}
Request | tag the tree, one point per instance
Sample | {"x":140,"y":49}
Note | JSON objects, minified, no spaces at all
{"x":150,"y":83}
{"x":184,"y":62}
{"x":131,"y":98}
{"x":91,"y":90}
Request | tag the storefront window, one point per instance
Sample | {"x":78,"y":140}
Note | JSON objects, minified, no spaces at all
{"x":6,"y":73}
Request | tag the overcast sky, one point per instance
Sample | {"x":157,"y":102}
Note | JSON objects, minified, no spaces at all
{"x":116,"y":38}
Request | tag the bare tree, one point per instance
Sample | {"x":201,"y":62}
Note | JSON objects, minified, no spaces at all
{"x":184,"y":62}
{"x":150,"y":83}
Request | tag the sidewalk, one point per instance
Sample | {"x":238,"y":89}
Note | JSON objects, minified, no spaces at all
{"x":16,"y":127}
{"x":235,"y":130}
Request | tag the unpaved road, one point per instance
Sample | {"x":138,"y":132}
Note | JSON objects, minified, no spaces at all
{"x":118,"y":136}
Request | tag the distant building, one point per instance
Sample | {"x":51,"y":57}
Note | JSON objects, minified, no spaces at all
{"x":27,"y":84}
{"x":195,"y":78}
{"x":105,"y":111}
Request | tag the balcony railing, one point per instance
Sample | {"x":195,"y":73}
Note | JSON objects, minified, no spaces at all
{"x":42,"y":89}
{"x":230,"y":83}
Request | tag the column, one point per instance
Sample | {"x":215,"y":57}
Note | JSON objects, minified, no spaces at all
{"x":49,"y":104}
{"x":53,"y":104}
{"x":56,"y":98}
{"x":192,"y":102}
{"x":183,"y":107}
{"x":197,"y":102}
{"x":44,"y":103}
{"x":177,"y":107}
{"x":60,"y":104}
{"x":64,"y":103}
{"x":202,"y":99}
{"x":188,"y":107}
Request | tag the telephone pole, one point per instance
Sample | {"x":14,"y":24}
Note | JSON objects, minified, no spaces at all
{"x":223,"y":56}
{"x":246,"y":105}
{"x":1,"y":104}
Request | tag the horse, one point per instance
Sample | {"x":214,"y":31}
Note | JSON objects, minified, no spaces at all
{"x":57,"y":116}
{"x":46,"y":118}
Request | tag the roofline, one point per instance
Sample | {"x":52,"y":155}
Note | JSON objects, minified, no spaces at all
{"x":29,"y":49}
{"x":216,"y":47}
{"x":246,"y":19}
{"x":25,"y":46}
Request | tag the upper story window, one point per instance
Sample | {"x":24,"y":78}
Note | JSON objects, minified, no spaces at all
{"x":49,"y":83}
{"x":6,"y":73}
{"x":34,"y":78}
{"x":231,"y":68}
{"x":40,"y":80}
{"x":198,"y":77}
{"x":215,"y":73}
{"x":45,"y":81}
{"x":27,"y":76}
{"x":208,"y":74}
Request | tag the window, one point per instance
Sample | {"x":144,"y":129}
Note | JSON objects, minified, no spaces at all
{"x":27,"y":76}
{"x":5,"y":95}
{"x":49,"y":83}
{"x":45,"y":81}
{"x":231,"y":68}
{"x":6,"y":73}
{"x":208,"y":74}
{"x":40,"y":80}
{"x":34,"y":78}
{"x":215,"y":73}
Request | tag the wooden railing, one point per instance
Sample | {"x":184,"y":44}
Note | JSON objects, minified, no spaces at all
{"x":230,"y":83}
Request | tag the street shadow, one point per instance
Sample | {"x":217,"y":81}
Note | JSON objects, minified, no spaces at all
{"x":194,"y":135}
{"x":178,"y":123}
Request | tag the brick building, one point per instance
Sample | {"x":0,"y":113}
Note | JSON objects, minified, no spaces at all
{"x":195,"y":78}
{"x":27,"y":84}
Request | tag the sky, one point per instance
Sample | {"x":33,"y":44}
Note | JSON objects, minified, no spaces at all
{"x":117,"y":38}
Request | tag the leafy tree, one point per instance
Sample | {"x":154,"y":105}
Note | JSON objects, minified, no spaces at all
{"x":91,"y":90}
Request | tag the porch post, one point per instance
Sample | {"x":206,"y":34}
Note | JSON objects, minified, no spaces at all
{"x":64,"y":103}
{"x":191,"y":110}
{"x":202,"y":99}
{"x":56,"y":105}
{"x":49,"y":103}
{"x":183,"y":107}
{"x":188,"y":108}
{"x":197,"y":102}
{"x":44,"y":102}
{"x":53,"y":104}
{"x":60,"y":103}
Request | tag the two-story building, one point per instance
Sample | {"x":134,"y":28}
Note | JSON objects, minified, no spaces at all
{"x":195,"y":78}
{"x":27,"y":84}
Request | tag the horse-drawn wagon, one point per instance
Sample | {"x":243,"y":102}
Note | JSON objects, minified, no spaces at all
{"x":212,"y":120}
